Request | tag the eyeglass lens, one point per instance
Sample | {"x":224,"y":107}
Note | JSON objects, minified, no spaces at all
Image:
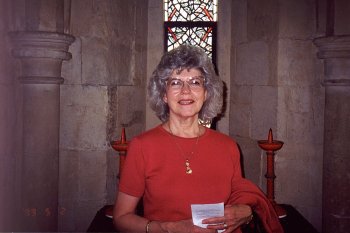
{"x":195,"y":83}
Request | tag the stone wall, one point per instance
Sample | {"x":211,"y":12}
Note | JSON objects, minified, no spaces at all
{"x":300,"y":110}
{"x":155,"y":45}
{"x":103,"y":91}
{"x":276,"y":83}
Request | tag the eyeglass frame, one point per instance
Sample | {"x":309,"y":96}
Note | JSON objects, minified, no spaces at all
{"x":182,"y":83}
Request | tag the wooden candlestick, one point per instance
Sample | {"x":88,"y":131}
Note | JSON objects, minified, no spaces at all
{"x":122,"y":147}
{"x":270,"y":146}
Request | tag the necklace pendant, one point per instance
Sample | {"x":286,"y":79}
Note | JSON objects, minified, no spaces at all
{"x":188,"y":168}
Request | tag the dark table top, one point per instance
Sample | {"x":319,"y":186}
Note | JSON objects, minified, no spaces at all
{"x":294,"y":222}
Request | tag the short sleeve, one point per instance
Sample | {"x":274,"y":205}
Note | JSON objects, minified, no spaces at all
{"x":132,"y":179}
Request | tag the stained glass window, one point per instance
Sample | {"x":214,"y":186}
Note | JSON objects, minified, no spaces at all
{"x":192,"y":22}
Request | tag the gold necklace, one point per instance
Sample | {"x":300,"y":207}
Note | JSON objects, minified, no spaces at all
{"x":187,"y":160}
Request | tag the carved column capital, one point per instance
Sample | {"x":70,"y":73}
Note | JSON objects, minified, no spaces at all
{"x":335,"y":50}
{"x":41,"y":54}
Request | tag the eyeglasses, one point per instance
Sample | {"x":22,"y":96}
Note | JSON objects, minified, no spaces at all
{"x":195,"y":83}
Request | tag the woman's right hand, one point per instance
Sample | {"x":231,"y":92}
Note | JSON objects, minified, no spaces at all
{"x":184,"y":226}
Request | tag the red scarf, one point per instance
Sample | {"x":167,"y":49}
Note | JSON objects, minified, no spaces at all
{"x":245,"y":192}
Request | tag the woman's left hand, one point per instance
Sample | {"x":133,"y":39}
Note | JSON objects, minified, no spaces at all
{"x":235,"y":216}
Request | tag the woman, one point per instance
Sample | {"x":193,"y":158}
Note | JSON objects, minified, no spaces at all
{"x":181,"y":162}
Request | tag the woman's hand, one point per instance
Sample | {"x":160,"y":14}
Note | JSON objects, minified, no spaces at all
{"x":235,"y":216}
{"x":185,"y":226}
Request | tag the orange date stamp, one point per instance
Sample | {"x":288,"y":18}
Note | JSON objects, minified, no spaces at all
{"x":47,"y":212}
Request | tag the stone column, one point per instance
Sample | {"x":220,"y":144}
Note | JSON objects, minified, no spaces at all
{"x":335,"y":51}
{"x":41,"y":55}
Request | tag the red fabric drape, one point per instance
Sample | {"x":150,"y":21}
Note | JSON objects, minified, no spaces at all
{"x":245,"y":192}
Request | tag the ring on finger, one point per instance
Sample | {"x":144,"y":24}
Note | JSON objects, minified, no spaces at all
{"x":225,"y":225}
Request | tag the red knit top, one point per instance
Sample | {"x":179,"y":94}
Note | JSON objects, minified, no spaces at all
{"x":155,"y":169}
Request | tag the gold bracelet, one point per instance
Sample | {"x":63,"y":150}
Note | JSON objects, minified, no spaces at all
{"x":147,"y":226}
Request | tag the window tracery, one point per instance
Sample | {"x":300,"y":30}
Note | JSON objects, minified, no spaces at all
{"x":191,"y":21}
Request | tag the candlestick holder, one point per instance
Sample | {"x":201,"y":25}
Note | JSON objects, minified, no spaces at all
{"x":122,"y":147}
{"x":270,"y":146}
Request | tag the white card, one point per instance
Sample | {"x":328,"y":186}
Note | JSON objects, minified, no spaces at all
{"x":204,"y":211}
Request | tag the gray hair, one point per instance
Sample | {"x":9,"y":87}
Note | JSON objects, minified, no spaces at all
{"x":181,"y":58}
